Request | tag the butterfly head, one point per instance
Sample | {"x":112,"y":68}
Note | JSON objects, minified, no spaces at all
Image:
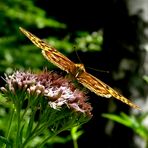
{"x":79,"y":69}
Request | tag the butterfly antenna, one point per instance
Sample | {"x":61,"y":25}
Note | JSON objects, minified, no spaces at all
{"x":88,"y":67}
{"x":77,"y":54}
{"x":98,"y":70}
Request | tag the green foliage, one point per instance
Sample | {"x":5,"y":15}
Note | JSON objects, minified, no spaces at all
{"x":135,"y":123}
{"x":14,"y":53}
{"x":89,"y":42}
{"x":145,"y":78}
{"x":17,"y":12}
{"x":17,"y":52}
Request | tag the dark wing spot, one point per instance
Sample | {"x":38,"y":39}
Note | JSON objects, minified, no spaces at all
{"x":107,"y":87}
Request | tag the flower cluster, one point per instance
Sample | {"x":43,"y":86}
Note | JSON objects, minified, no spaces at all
{"x":58,"y":90}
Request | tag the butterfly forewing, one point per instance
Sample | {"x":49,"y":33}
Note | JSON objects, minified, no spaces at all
{"x":51,"y":54}
{"x":59,"y":60}
{"x":77,"y":70}
{"x":102,"y":89}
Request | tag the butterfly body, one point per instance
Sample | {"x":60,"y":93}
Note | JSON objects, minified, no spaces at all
{"x":77,"y":71}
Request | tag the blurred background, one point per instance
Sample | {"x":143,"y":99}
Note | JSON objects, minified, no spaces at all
{"x":106,"y":35}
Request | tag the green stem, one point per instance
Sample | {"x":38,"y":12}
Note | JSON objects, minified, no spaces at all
{"x":30,"y":136}
{"x":9,"y":126}
{"x":30,"y":130}
{"x":10,"y":123}
{"x":18,"y":138}
{"x":24,"y":112}
{"x":74,"y":139}
{"x":75,"y":143}
{"x":49,"y":137}
{"x":45,"y":140}
{"x":37,"y":129}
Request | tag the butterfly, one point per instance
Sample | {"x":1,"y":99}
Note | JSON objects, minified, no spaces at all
{"x":77,"y":70}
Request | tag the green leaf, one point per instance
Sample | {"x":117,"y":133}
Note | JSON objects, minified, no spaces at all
{"x":119,"y":119}
{"x":4,"y":140}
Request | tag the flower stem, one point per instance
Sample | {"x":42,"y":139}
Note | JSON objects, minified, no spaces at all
{"x":50,"y":137}
{"x":10,"y":123}
{"x":73,"y":135}
{"x":9,"y":127}
{"x":18,"y":138}
{"x":75,"y":143}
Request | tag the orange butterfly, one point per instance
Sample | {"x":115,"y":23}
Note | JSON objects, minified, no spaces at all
{"x":77,"y":70}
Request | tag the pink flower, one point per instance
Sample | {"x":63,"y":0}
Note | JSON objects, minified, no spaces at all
{"x":59,"y":91}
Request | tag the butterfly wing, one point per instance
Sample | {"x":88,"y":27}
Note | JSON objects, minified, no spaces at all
{"x":102,"y":89}
{"x":51,"y":54}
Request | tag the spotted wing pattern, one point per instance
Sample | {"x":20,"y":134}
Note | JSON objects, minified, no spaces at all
{"x":51,"y":54}
{"x":102,"y":89}
{"x":77,"y":70}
